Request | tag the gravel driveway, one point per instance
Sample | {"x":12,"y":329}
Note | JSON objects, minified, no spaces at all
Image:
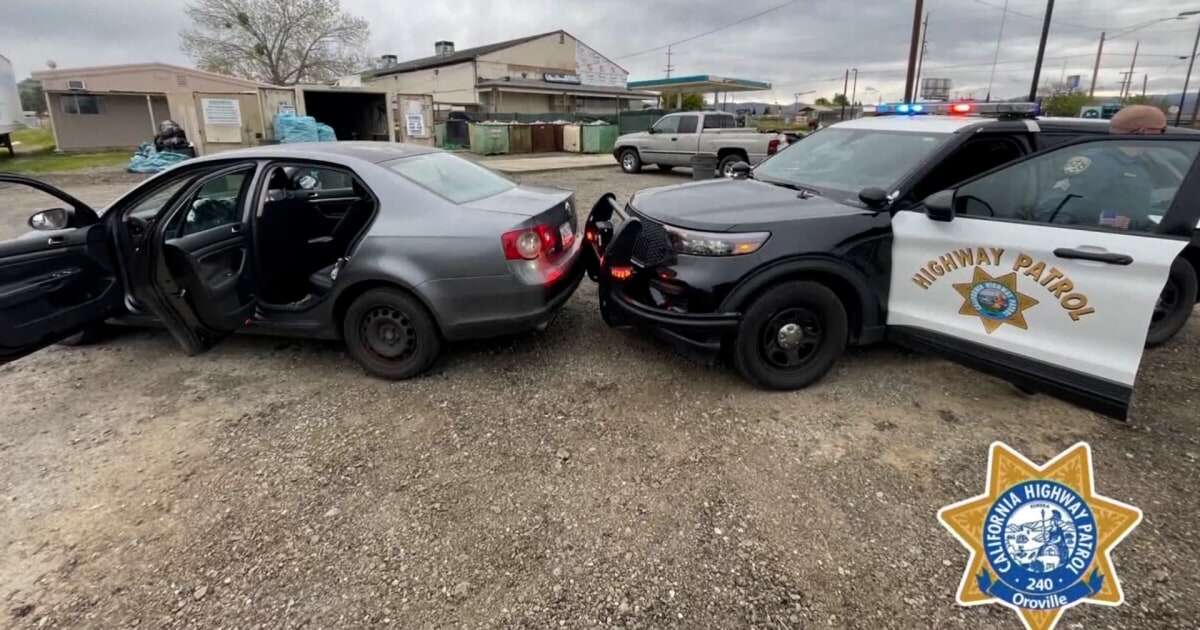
{"x":581,"y":477}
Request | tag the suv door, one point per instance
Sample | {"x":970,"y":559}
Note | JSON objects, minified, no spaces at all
{"x":199,"y":274}
{"x":53,"y":282}
{"x":1046,"y":270}
{"x":661,"y":141}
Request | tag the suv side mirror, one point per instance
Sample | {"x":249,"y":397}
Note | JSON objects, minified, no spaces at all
{"x":52,"y":219}
{"x":873,"y":196}
{"x":940,"y":206}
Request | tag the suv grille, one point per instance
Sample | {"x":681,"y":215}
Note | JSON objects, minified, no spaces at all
{"x":653,"y":246}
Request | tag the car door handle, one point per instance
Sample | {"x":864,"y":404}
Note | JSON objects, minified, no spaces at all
{"x":1104,"y":257}
{"x":237,"y":229}
{"x":674,"y":139}
{"x":56,"y":240}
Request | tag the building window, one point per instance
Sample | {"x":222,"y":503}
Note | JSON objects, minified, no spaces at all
{"x":81,"y":104}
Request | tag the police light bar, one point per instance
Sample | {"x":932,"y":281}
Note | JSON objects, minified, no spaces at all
{"x":961,"y":108}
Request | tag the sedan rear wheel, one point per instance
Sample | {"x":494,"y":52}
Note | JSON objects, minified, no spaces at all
{"x":391,"y":334}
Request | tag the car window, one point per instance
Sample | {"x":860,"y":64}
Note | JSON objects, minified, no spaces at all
{"x":216,"y":203}
{"x":718,"y":122}
{"x":687,"y":124}
{"x":450,"y":176}
{"x":20,"y":201}
{"x":850,"y":160}
{"x":1118,"y":185}
{"x":316,"y":178}
{"x":668,"y":124}
{"x":149,"y":206}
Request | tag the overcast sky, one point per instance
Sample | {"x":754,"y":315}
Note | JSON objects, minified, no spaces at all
{"x":803,"y":46}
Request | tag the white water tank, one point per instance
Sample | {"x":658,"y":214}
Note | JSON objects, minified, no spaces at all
{"x":11,"y":116}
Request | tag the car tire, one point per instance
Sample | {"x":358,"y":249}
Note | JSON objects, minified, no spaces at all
{"x":630,"y":161}
{"x":1174,"y":304}
{"x":88,"y":336}
{"x":666,"y":168}
{"x":724,"y":168}
{"x":763,"y":350}
{"x":391,"y":334}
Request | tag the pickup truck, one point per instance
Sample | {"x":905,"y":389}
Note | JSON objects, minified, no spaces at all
{"x":675,"y":138}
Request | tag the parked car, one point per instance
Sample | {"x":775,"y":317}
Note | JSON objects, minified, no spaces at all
{"x":979,"y":239}
{"x":675,"y":138}
{"x":389,"y":247}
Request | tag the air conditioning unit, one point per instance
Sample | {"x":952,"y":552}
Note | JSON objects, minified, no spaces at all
{"x":76,"y":84}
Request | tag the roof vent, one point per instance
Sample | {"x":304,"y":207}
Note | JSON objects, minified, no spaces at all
{"x":76,"y":84}
{"x":443,"y":48}
{"x":388,"y":60}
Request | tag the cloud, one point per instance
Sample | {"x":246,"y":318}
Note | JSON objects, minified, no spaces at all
{"x":806,"y":45}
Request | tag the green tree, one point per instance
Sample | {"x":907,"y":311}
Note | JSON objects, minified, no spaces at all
{"x":692,"y":102}
{"x":823,"y":102}
{"x":840,"y":99}
{"x":1064,"y":104}
{"x":282,"y":42}
{"x":31,"y":96}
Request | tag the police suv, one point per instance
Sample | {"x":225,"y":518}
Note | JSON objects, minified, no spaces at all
{"x":1040,"y":250}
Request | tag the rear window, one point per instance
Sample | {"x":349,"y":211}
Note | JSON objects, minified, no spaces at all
{"x":717,"y":121}
{"x":450,"y":176}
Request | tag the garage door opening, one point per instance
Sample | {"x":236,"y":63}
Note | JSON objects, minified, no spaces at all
{"x":353,"y":115}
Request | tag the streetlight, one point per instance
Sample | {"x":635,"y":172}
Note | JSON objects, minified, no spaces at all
{"x":1191,"y":61}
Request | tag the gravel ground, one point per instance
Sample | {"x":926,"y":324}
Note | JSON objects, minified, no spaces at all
{"x":580,"y":477}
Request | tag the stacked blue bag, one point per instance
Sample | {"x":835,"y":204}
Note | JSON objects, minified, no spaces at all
{"x":292,"y":128}
{"x":148,"y":160}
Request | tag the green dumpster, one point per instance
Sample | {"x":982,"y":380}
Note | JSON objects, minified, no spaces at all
{"x":489,"y":138}
{"x":599,"y":138}
{"x":519,"y":139}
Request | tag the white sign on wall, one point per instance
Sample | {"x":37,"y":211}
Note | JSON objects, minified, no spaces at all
{"x":414,"y":117}
{"x":594,"y":69}
{"x":222,"y":120}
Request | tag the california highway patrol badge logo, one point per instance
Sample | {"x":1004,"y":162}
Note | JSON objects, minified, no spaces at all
{"x":994,"y":300}
{"x":1040,"y":537}
{"x":1077,"y":165}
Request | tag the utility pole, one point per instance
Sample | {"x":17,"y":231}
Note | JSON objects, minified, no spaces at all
{"x":1125,"y":77}
{"x":1187,"y":78}
{"x":845,"y":84}
{"x":1096,"y":70}
{"x":1145,"y":80}
{"x":1041,"y":53}
{"x":918,"y":9}
{"x":921,"y":57}
{"x":669,"y":66}
{"x":996,"y":56}
{"x":1129,"y":82}
{"x":853,"y":92}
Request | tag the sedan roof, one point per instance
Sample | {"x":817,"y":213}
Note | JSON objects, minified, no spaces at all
{"x":374,"y":152}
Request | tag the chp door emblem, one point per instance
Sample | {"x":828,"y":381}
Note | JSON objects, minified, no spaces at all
{"x":1077,"y":165}
{"x":1040,"y":537}
{"x":994,"y":301}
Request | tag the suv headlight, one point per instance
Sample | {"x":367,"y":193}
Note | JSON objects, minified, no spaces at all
{"x":699,"y":243}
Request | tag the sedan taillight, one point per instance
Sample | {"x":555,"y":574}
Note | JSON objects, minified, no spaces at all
{"x":529,"y":243}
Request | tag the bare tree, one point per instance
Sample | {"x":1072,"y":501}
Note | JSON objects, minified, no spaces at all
{"x":282,"y":42}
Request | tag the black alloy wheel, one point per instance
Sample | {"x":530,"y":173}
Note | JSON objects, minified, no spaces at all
{"x":1174,"y":305}
{"x":790,"y":336}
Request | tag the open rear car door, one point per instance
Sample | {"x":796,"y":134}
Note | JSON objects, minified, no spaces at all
{"x":57,"y":279}
{"x":198,"y":276}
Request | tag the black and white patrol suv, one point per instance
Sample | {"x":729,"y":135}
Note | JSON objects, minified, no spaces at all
{"x":984,"y":239}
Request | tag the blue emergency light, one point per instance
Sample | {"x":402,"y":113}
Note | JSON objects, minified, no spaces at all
{"x":959,"y":108}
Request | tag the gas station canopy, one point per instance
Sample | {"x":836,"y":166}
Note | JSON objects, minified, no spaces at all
{"x":673,"y":88}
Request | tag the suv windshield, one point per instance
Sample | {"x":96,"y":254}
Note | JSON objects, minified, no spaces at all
{"x":456,"y":179}
{"x":850,"y":160}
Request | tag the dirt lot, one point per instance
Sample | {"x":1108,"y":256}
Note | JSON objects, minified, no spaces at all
{"x":581,"y":477}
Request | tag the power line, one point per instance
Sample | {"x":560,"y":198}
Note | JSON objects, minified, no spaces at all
{"x":710,"y":32}
{"x":1039,"y":17}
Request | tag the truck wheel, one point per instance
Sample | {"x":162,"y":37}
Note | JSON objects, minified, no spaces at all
{"x":1174,"y":304}
{"x":630,"y":161}
{"x":725,"y":168}
{"x":790,"y":336}
{"x":391,"y":334}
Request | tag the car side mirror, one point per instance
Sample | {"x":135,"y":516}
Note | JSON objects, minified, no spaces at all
{"x":652,"y":131}
{"x":873,"y":196}
{"x":52,"y":219}
{"x":940,"y":206}
{"x":739,"y":170}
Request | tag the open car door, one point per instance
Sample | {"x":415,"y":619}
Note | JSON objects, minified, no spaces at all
{"x":57,"y":279}
{"x":198,"y":274}
{"x":1046,"y":271}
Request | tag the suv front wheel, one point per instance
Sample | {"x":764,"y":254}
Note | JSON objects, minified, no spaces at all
{"x":790,"y":336}
{"x":631,"y":162}
{"x":1174,"y":304}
